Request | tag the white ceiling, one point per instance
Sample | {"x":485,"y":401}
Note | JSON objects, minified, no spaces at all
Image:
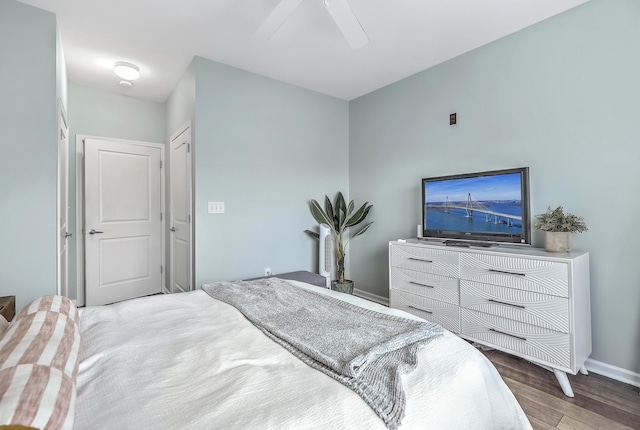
{"x":163,"y":36}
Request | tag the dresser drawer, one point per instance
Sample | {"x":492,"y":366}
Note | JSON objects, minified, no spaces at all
{"x":445,"y":314}
{"x":539,"y":276}
{"x":526,"y":340}
{"x":423,"y":284}
{"x":542,"y":310}
{"x":428,"y":260}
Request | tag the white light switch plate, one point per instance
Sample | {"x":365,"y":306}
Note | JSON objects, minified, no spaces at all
{"x":215,"y":207}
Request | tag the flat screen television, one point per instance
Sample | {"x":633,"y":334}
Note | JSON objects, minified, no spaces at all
{"x":484,"y":208}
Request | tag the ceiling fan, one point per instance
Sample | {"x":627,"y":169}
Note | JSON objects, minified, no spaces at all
{"x":339,"y":11}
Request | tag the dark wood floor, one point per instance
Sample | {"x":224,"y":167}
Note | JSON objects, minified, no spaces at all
{"x":599,"y":402}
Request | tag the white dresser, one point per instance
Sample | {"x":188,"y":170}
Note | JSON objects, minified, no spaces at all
{"x":521,"y":300}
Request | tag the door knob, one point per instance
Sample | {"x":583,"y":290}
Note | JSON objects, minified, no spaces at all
{"x":173,"y":229}
{"x":67,"y":234}
{"x":92,"y":231}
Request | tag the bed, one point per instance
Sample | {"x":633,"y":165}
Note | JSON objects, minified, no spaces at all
{"x":189,"y":361}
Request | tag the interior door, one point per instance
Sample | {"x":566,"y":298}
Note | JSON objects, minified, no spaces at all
{"x":180,"y":207}
{"x":123,"y":227}
{"x":63,"y":201}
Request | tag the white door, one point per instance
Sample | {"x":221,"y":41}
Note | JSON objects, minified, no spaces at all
{"x":123,"y":220}
{"x":180,"y":218}
{"x":63,"y":201}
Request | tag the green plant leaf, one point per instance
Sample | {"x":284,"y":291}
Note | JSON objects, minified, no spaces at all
{"x":340,"y":207}
{"x":350,"y":208}
{"x":556,"y":220}
{"x":312,"y":233}
{"x":362,"y":230}
{"x":341,"y":217}
{"x":360,"y":215}
{"x":329,"y":210}
{"x":318,"y":214}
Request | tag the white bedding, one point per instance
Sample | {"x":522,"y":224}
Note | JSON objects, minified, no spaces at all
{"x":187,"y":361}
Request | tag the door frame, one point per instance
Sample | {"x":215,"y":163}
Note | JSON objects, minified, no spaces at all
{"x":185,"y":128}
{"x":80,"y":266}
{"x":62,"y":183}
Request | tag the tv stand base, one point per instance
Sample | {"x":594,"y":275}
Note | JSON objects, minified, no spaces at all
{"x":465,"y":244}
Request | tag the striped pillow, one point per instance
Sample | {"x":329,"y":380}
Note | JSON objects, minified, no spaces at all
{"x":59,"y":304}
{"x":39,"y":358}
{"x":4,"y":325}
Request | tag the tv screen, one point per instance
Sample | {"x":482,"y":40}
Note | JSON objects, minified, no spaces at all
{"x":491,"y":207}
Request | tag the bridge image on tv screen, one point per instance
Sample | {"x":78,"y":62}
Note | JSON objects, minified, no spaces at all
{"x":490,"y":204}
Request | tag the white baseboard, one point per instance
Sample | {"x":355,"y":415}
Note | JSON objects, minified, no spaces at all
{"x":613,"y":372}
{"x":370,"y":296}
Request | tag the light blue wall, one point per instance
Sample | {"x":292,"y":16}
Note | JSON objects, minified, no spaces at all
{"x":561,"y":97}
{"x":62,"y":84}
{"x":107,"y":114}
{"x":264,"y":148}
{"x":28,"y":163}
{"x":101,"y":113}
{"x":181,"y":103}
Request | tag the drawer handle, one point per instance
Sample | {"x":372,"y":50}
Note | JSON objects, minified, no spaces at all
{"x":422,"y":285}
{"x":418,"y":309}
{"x":420,"y":259}
{"x":507,"y":304}
{"x":507,"y":273}
{"x":507,"y":334}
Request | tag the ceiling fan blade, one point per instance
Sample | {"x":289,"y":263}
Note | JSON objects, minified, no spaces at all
{"x":347,"y":22}
{"x":276,"y":18}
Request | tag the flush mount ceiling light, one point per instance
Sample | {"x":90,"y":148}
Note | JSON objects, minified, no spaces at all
{"x":127,"y":71}
{"x":124,"y":83}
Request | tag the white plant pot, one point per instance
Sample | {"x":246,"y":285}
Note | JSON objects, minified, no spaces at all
{"x":557,"y":241}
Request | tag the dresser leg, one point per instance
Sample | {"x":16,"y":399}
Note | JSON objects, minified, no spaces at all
{"x":564,"y":382}
{"x":583,"y":370}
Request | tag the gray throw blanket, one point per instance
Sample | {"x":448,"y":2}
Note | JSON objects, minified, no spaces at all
{"x":362,"y":349}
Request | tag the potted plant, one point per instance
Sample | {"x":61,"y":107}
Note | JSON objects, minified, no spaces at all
{"x":340,"y":217}
{"x":558,"y":227}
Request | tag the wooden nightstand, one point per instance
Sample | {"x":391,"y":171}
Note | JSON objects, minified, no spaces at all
{"x":8,"y":307}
